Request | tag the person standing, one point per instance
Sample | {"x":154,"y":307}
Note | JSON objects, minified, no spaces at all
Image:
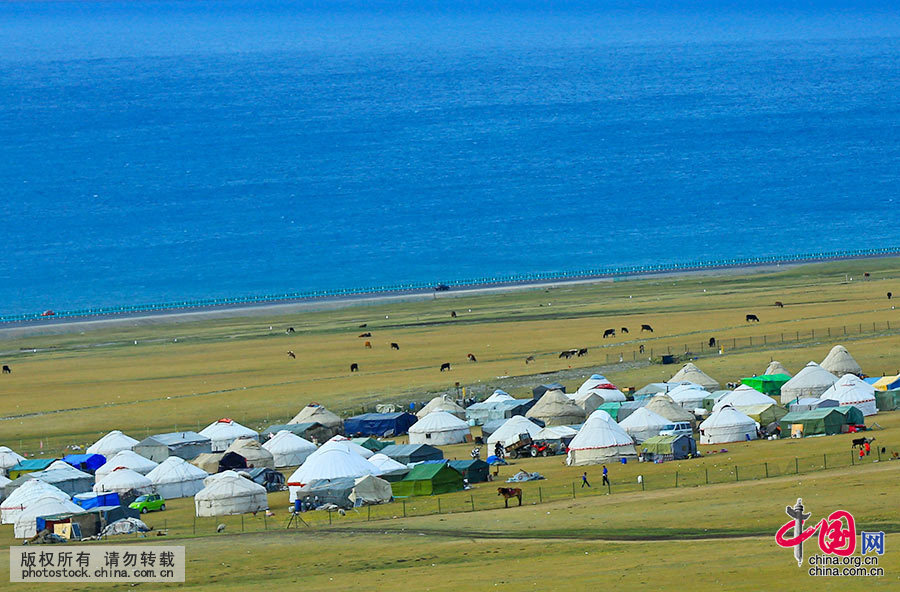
{"x":605,"y":475}
{"x":584,"y":481}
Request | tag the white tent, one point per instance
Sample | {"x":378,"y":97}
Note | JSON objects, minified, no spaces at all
{"x":555,"y":408}
{"x":600,"y":386}
{"x":253,"y":452}
{"x":852,"y":390}
{"x":744,"y":396}
{"x":498,"y":396}
{"x":839,"y":362}
{"x":385,"y":464}
{"x":230,"y":494}
{"x":442,"y":403}
{"x":128,"y":459}
{"x":369,"y":489}
{"x":24,"y":496}
{"x":812,"y":381}
{"x":438,"y":428}
{"x":592,"y":383}
{"x":112,"y":443}
{"x":556,"y":433}
{"x":589,"y":402}
{"x":289,"y":449}
{"x":727,"y":425}
{"x":776,"y":367}
{"x":65,"y":477}
{"x":317,"y":413}
{"x":689,"y":396}
{"x":599,"y":440}
{"x":344,"y":444}
{"x":176,"y":477}
{"x":225,"y":431}
{"x":3,"y":483}
{"x":26,"y":522}
{"x":508,"y":433}
{"x":8,"y":459}
{"x":643,"y":423}
{"x":123,"y":480}
{"x":691,"y":373}
{"x":331,"y":464}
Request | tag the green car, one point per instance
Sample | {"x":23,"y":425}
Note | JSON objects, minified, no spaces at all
{"x":148,"y":503}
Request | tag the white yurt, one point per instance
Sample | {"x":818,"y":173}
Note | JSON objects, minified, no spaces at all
{"x":556,"y":433}
{"x":24,"y":496}
{"x":665,"y":406}
{"x":498,"y":396}
{"x":3,"y":483}
{"x":369,"y":490}
{"x":508,"y":433}
{"x":812,"y":381}
{"x":176,"y":477}
{"x":112,"y":443}
{"x":776,"y":367}
{"x":691,"y":373}
{"x":225,"y":431}
{"x":385,"y":464}
{"x":689,"y":396}
{"x":643,"y":423}
{"x":727,"y":425}
{"x":26,"y":523}
{"x":230,"y":494}
{"x":589,"y":402}
{"x":556,"y":408}
{"x":592,"y":383}
{"x":123,"y":480}
{"x":438,"y":428}
{"x":128,"y":459}
{"x":8,"y":459}
{"x":744,"y":396}
{"x":250,"y":448}
{"x":65,"y":477}
{"x":442,"y":403}
{"x":599,"y":440}
{"x":331,"y":464}
{"x":289,"y":449}
{"x":317,"y":413}
{"x":344,"y":444}
{"x":840,"y":362}
{"x":852,"y":390}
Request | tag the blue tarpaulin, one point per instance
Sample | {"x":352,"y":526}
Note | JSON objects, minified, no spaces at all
{"x":379,"y":424}
{"x":96,"y":500}
{"x":88,"y":463}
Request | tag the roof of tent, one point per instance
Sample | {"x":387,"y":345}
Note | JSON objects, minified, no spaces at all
{"x":687,"y":393}
{"x":776,"y":367}
{"x":225,"y":428}
{"x":743,"y":396}
{"x":839,"y":361}
{"x":845,"y":383}
{"x":285,"y":442}
{"x":600,"y":431}
{"x":380,"y":424}
{"x":386,"y":464}
{"x":174,"y":439}
{"x":128,"y":459}
{"x":665,"y":406}
{"x":438,"y":421}
{"x":512,"y":427}
{"x":112,"y":443}
{"x":885,"y":383}
{"x":555,"y":433}
{"x":497,"y":396}
{"x":175,"y":470}
{"x":317,"y":413}
{"x":8,"y":458}
{"x":122,"y":479}
{"x":690,"y":372}
{"x":345,"y":444}
{"x":592,"y":383}
{"x":253,"y":451}
{"x":229,"y":485}
{"x":726,"y":417}
{"x":332,"y":464}
{"x":442,"y":403}
{"x":644,"y":418}
{"x":28,"y":493}
{"x":556,"y":407}
{"x":812,"y":380}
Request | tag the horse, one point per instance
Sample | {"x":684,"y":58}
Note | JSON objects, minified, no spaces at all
{"x":609,"y":333}
{"x":624,"y":330}
{"x":290,"y":330}
{"x":529,"y":359}
{"x":752,"y":318}
{"x":582,"y":352}
{"x":395,"y":346}
{"x":368,"y":345}
{"x":292,"y":355}
{"x":646,"y":328}
{"x":354,"y":367}
{"x":509,"y":492}
{"x":445,"y":366}
{"x":779,"y":304}
{"x":366,"y":334}
{"x":471,"y":358}
{"x":7,"y":369}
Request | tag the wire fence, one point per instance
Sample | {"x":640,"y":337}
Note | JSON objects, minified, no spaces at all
{"x":541,"y":492}
{"x":493,"y":280}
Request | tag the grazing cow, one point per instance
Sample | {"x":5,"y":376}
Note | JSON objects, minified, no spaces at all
{"x":861,"y":442}
{"x":609,"y":333}
{"x":568,"y":353}
{"x":292,"y":355}
{"x":354,"y":367}
{"x":624,"y":330}
{"x":368,"y":345}
{"x":7,"y":369}
{"x":445,"y":366}
{"x":712,"y":342}
{"x":395,"y":346}
{"x":646,"y":328}
{"x":866,"y":275}
{"x":452,"y":314}
{"x":582,"y":352}
{"x":364,"y":325}
{"x":509,"y":492}
{"x":779,"y":304}
{"x":366,"y":334}
{"x":890,"y":295}
{"x":290,"y":330}
{"x":752,"y":318}
{"x":641,"y":348}
{"x":471,"y":358}
{"x":529,"y":359}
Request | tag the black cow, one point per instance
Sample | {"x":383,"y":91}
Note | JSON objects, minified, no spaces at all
{"x":354,"y":367}
{"x":290,"y":330}
{"x":646,"y":328}
{"x":752,"y":318}
{"x":529,"y":359}
{"x":7,"y":369}
{"x":712,"y":342}
{"x":452,"y":314}
{"x":471,"y":358}
{"x":366,"y":334}
{"x":568,"y":353}
{"x":582,"y":352}
{"x":624,"y":330}
{"x":292,"y":355}
{"x":890,"y":295}
{"x":609,"y":333}
{"x":445,"y":366}
{"x":395,"y":346}
{"x":364,"y":325}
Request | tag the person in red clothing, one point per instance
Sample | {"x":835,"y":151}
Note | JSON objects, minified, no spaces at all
{"x":862,"y":453}
{"x":868,"y":448}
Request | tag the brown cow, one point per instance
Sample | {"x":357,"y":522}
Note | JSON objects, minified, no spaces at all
{"x":471,"y":358}
{"x":368,"y":345}
{"x":779,"y":304}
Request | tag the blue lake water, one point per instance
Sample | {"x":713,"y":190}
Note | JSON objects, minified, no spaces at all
{"x":158,"y":151}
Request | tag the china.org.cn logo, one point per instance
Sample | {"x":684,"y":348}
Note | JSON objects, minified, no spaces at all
{"x":837,"y":543}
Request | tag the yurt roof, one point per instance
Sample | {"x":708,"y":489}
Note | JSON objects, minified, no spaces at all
{"x":438,"y":421}
{"x":726,"y":417}
{"x":839,"y":361}
{"x":332,"y":464}
{"x":112,"y":443}
{"x":692,"y":373}
{"x":776,"y":367}
{"x":317,"y":413}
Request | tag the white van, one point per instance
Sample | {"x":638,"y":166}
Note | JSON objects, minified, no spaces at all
{"x":676,"y":429}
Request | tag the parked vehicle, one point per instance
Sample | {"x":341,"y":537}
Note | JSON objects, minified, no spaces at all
{"x":148,"y":503}
{"x":676,"y":429}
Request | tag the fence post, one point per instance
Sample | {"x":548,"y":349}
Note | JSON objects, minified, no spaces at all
{"x":751,"y":341}
{"x":796,"y":465}
{"x":676,"y":479}
{"x":573,"y":490}
{"x":472,"y":500}
{"x":265,"y":522}
{"x":369,"y":514}
{"x":642,"y":482}
{"x":782,"y":338}
{"x":852,"y":458}
{"x":736,"y":476}
{"x":242,"y":522}
{"x":825,"y":461}
{"x":608,"y":487}
{"x":194,"y":529}
{"x":404,"y":508}
{"x":540,"y":496}
{"x":878,"y":449}
{"x":707,"y":475}
{"x":767,"y":469}
{"x":329,"y":517}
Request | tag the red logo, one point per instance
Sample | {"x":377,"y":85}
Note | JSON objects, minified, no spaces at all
{"x":837,"y":532}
